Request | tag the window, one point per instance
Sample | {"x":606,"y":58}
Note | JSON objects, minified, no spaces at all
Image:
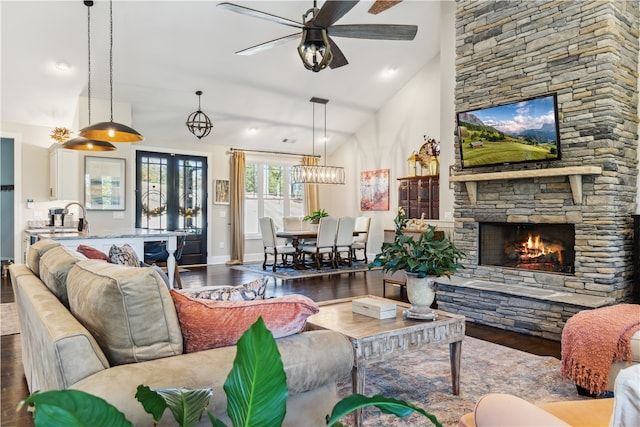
{"x":269,"y":192}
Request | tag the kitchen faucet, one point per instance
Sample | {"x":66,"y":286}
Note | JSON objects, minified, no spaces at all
{"x":83,"y":223}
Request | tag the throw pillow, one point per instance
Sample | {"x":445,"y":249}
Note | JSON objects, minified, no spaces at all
{"x":124,"y":255}
{"x":36,"y":251}
{"x":128,"y":311}
{"x":93,"y":253}
{"x":245,"y":292}
{"x":210,"y":324}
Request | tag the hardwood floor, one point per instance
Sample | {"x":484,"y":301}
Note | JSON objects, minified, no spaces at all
{"x":14,"y":387}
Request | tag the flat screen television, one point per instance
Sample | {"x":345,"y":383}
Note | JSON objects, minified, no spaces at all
{"x":518,"y":132}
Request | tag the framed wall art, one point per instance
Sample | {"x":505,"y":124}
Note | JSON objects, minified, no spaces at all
{"x":221,"y":192}
{"x":374,"y":190}
{"x":104,"y":183}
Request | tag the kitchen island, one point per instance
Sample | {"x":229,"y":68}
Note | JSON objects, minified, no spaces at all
{"x":103,"y":240}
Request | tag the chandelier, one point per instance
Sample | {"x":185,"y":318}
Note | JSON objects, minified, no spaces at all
{"x":318,"y":174}
{"x":198,"y":122}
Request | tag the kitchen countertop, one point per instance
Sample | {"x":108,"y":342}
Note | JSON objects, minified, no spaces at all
{"x":69,"y":234}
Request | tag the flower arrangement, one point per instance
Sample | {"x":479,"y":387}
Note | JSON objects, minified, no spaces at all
{"x":433,"y":146}
{"x":60,"y":134}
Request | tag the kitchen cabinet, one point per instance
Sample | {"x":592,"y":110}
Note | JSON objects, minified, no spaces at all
{"x":419,"y":195}
{"x":63,"y":173}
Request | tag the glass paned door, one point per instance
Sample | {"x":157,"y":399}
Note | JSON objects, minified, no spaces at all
{"x":171,"y":195}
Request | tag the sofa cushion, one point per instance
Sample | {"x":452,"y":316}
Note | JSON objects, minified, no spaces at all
{"x":209,"y":324}
{"x":92,"y":253}
{"x":125,"y":255}
{"x":128,"y":310}
{"x":36,"y":251}
{"x":245,"y":292}
{"x":55,"y":265}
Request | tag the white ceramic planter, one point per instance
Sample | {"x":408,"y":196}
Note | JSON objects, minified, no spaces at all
{"x":421,"y":292}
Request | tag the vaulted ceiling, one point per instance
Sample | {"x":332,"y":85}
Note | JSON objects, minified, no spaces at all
{"x":166,"y":50}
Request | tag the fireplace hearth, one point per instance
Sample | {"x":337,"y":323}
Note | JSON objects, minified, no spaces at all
{"x":538,"y":247}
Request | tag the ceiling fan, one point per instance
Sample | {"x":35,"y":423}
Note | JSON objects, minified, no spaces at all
{"x":380,"y":6}
{"x":317,"y":49}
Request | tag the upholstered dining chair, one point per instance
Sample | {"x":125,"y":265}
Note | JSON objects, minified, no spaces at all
{"x":344,"y":239}
{"x":325,"y":242}
{"x":271,"y":246}
{"x":360,"y":241}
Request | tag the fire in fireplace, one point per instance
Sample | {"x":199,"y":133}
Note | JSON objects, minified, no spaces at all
{"x":542,"y":247}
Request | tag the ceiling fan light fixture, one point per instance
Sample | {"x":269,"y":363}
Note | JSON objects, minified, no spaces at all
{"x":314,"y":49}
{"x":198,"y":122}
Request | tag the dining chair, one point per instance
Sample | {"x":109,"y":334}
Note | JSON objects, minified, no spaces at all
{"x":156,"y":253}
{"x":271,"y":246}
{"x":325,"y":242}
{"x":360,"y":241}
{"x":344,"y":239}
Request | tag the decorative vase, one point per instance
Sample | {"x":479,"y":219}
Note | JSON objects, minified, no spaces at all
{"x":421,"y":293}
{"x":434,"y":166}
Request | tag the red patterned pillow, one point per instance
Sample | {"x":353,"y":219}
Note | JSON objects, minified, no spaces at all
{"x":92,"y":253}
{"x":209,"y":324}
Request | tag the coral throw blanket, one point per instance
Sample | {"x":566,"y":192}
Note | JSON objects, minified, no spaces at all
{"x":593,"y":339}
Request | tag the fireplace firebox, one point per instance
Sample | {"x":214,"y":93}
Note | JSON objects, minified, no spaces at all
{"x":540,"y":247}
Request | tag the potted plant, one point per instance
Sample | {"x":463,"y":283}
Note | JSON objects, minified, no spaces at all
{"x":422,"y":258}
{"x":315,"y":216}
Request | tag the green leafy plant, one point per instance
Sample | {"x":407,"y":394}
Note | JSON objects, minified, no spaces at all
{"x":256,"y":390}
{"x":315,"y":216}
{"x":431,"y":254}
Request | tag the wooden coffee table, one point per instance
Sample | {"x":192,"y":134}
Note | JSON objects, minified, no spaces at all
{"x":375,"y":340}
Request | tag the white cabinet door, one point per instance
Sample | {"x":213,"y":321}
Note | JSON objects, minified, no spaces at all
{"x":63,"y":173}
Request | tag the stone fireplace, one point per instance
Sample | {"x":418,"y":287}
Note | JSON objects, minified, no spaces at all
{"x":586,"y":53}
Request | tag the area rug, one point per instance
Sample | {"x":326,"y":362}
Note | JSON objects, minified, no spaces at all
{"x":424,"y":379}
{"x":286,"y":273}
{"x":9,"y":319}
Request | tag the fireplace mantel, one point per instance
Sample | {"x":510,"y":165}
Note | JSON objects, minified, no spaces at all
{"x":574,"y":173}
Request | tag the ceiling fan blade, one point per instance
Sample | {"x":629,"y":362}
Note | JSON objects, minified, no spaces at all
{"x":259,"y":14}
{"x":382,"y":5}
{"x":374,"y":31}
{"x":339,"y":59}
{"x":268,"y":45}
{"x":331,"y":11}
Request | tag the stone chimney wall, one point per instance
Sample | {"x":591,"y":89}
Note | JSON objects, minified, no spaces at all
{"x":587,"y":53}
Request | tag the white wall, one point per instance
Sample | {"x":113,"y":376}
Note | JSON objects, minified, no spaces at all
{"x":424,"y":106}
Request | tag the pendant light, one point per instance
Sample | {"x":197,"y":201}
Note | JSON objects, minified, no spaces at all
{"x":111,"y":131}
{"x":198,"y":122}
{"x":318,"y":174}
{"x":81,"y":143}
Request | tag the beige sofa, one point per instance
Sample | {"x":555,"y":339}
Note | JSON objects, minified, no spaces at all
{"x":59,"y":352}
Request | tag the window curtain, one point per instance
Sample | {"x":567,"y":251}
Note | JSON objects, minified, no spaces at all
{"x":311,"y":193}
{"x":238,"y":166}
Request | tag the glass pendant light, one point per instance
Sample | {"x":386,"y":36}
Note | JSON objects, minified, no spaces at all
{"x":111,"y":131}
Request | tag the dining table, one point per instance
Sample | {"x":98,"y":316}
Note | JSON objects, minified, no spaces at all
{"x":296,"y":236}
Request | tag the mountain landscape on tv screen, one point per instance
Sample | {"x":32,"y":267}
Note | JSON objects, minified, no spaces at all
{"x":482,"y":144}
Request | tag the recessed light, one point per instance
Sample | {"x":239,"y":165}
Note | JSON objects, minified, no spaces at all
{"x":252,"y":130}
{"x":62,"y":66}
